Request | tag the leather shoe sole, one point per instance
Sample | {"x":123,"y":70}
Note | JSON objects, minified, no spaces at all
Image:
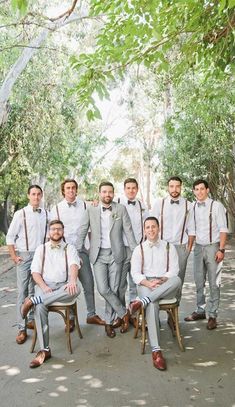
{"x":117,"y":323}
{"x":30,"y":325}
{"x":195,"y":316}
{"x":158,"y":360}
{"x":21,"y":337}
{"x":26,"y":306}
{"x":134,"y":306}
{"x":95,"y":320}
{"x":110,"y":331}
{"x":40,"y":358}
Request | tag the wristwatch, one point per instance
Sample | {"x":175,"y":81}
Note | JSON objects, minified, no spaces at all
{"x":221,"y":250}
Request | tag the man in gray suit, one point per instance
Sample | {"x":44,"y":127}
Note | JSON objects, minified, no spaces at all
{"x":107,"y":222}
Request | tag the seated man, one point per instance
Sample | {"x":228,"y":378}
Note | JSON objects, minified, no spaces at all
{"x":55,"y":271}
{"x":154,"y":268}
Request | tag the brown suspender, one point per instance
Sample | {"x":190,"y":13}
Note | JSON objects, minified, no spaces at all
{"x":163,"y":201}
{"x":57,"y":211}
{"x":141,"y":219}
{"x":185,"y":217}
{"x":210,"y":219}
{"x":66,"y":261}
{"x":167,"y":257}
{"x":45,"y":234}
{"x":25,"y":231}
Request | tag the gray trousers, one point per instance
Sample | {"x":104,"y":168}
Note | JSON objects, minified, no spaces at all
{"x":205,"y":265}
{"x":183,"y":255}
{"x":25,"y":286}
{"x":107,"y":275}
{"x":166,"y":290}
{"x":87,"y":281}
{"x":126,"y":278}
{"x":41,"y":310}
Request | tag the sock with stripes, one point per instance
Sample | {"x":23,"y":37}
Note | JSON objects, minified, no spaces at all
{"x":36,"y":300}
{"x":145,"y":301}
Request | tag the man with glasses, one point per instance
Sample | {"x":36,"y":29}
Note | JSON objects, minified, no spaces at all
{"x":55,"y":271}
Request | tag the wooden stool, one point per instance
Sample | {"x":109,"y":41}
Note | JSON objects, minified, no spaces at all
{"x":171,"y":306}
{"x":64,"y":310}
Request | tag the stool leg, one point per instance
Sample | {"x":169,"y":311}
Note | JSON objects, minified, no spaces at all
{"x":67,"y":312}
{"x":34,"y":338}
{"x":177,"y":330}
{"x":76,"y":320}
{"x":143,"y":331}
{"x":137,"y":324}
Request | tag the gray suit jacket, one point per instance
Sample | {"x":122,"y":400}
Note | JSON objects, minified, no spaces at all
{"x":119,"y":223}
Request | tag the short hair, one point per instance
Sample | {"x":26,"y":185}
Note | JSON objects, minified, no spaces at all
{"x":66,"y":182}
{"x":104,"y":184}
{"x":174,"y":179}
{"x":34,"y":186}
{"x":56,"y":222}
{"x":151,"y":218}
{"x":133,"y":180}
{"x":200,"y":181}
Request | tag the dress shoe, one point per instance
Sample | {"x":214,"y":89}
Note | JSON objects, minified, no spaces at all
{"x":117,"y":323}
{"x":26,"y":307}
{"x":125,"y":323}
{"x":95,"y":320}
{"x":71,"y":326}
{"x":211,"y":324}
{"x":195,"y":316}
{"x":158,"y":360}
{"x":30,"y":324}
{"x":41,"y":357}
{"x":21,"y":337}
{"x":134,"y":306}
{"x":110,"y":331}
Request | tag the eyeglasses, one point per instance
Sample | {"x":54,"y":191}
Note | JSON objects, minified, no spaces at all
{"x":56,"y":229}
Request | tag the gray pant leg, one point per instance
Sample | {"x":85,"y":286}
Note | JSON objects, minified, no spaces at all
{"x":107,"y":274}
{"x":24,"y":285}
{"x":183,"y":259}
{"x":211,"y":266}
{"x":199,"y":269}
{"x":41,"y":311}
{"x":132,"y":287}
{"x":152,"y":317}
{"x":126,"y":277}
{"x":87,"y":281}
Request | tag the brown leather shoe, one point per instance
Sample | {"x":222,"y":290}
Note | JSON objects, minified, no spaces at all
{"x":21,"y":337}
{"x":110,"y":331}
{"x":212,"y":323}
{"x":117,"y":323}
{"x":26,"y":307}
{"x":134,"y":306}
{"x":158,"y":360}
{"x":125,"y":323}
{"x":41,"y":357}
{"x":71,"y":326}
{"x":195,"y":316}
{"x":95,"y":320}
{"x":30,"y":324}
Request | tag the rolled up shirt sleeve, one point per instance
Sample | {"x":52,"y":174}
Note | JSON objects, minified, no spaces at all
{"x":136,"y":266}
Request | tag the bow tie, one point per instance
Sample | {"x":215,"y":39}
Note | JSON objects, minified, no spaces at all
{"x":201,"y":204}
{"x":131,"y":202}
{"x":72,"y":204}
{"x":106,"y":209}
{"x":37,"y":210}
{"x":152,"y":244}
{"x":55,"y":246}
{"x":175,"y":202}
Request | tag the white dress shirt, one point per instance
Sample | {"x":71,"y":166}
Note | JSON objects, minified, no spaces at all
{"x":36,"y":227}
{"x":155,"y":261}
{"x":71,"y":217}
{"x":137,"y":213}
{"x":173,"y":219}
{"x":199,"y":222}
{"x":105,"y":228}
{"x":54,"y":270}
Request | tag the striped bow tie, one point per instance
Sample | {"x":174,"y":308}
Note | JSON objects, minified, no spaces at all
{"x":37,"y":210}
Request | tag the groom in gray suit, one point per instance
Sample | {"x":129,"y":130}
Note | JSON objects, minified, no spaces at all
{"x":107,"y":222}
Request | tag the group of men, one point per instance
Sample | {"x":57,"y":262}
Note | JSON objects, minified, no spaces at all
{"x":127,"y":248}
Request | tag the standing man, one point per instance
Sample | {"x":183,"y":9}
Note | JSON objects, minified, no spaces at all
{"x":27,"y":231}
{"x":70,"y":211}
{"x":107,"y":222}
{"x":173,"y":214}
{"x":55,"y":271}
{"x":137,"y":213}
{"x":154,"y":268}
{"x":208,"y":223}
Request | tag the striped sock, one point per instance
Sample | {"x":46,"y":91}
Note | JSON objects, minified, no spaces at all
{"x":36,"y":300}
{"x":145,"y":301}
{"x":156,"y":348}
